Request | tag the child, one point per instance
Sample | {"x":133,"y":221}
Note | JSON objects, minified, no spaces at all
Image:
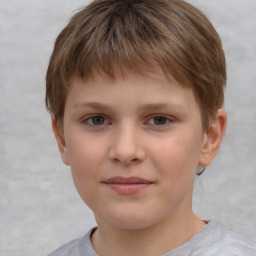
{"x":135,"y":90}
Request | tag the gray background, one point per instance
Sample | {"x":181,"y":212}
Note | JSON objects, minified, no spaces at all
{"x":39,"y":207}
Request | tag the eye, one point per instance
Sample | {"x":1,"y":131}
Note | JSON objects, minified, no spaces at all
{"x":96,"y":120}
{"x":159,"y":120}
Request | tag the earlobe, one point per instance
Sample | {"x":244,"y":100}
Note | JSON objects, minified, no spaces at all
{"x":213,"y":138}
{"x":60,"y":141}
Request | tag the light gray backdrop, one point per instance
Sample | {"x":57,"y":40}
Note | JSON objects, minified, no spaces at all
{"x":39,"y":207}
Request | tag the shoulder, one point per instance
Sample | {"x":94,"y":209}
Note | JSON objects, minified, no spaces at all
{"x":227,"y":243}
{"x":67,"y":249}
{"x":77,"y":247}
{"x":214,"y":240}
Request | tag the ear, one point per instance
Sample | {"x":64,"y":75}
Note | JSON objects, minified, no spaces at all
{"x":60,"y":141}
{"x":213,"y":138}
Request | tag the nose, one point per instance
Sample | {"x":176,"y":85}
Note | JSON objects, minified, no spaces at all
{"x":127,"y":145}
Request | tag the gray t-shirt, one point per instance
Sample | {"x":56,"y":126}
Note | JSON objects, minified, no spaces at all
{"x":213,"y":240}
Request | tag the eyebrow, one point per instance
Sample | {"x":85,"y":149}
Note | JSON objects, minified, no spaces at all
{"x":142,"y":107}
{"x":93,"y":105}
{"x":159,"y":106}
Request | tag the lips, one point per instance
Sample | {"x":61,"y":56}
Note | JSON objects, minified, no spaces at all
{"x":129,"y":185}
{"x":128,"y":180}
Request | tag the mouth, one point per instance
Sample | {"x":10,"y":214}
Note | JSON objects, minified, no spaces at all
{"x":127,"y":186}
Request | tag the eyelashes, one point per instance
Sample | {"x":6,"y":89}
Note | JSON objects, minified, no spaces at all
{"x":101,"y":120}
{"x":96,"y":120}
{"x":159,"y":120}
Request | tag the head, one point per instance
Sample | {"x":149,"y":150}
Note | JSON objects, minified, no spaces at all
{"x":135,"y":90}
{"x":110,"y":36}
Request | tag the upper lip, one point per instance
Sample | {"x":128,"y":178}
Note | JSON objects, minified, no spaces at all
{"x":127,"y":180}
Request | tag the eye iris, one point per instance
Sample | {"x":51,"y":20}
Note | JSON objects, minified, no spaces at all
{"x":160,"y":120}
{"x":98,"y":120}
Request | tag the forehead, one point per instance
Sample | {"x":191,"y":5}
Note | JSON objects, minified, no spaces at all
{"x":120,"y":72}
{"x":124,"y":76}
{"x":152,"y":89}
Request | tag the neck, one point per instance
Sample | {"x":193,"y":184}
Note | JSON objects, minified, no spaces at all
{"x":154,"y":240}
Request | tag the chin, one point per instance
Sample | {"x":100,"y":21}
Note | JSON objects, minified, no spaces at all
{"x":127,"y":225}
{"x":132,"y":220}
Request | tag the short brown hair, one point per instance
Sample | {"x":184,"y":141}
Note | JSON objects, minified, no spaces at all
{"x":136,"y":34}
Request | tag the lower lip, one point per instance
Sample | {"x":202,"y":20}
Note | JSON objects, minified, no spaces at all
{"x":128,"y":189}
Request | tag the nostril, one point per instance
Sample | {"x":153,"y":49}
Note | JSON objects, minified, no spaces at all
{"x":125,"y":147}
{"x":135,"y":160}
{"x":126,"y":160}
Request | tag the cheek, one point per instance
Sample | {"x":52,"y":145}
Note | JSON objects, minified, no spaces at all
{"x":86,"y":159}
{"x":176,"y":157}
{"x":85,"y":153}
{"x":175,"y":161}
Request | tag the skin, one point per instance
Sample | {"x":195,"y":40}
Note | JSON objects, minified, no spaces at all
{"x":144,"y":126}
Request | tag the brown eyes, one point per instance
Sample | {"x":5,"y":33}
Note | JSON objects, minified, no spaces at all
{"x":160,"y":120}
{"x":98,"y":120}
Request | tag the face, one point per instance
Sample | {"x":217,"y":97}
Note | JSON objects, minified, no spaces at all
{"x":134,"y":144}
